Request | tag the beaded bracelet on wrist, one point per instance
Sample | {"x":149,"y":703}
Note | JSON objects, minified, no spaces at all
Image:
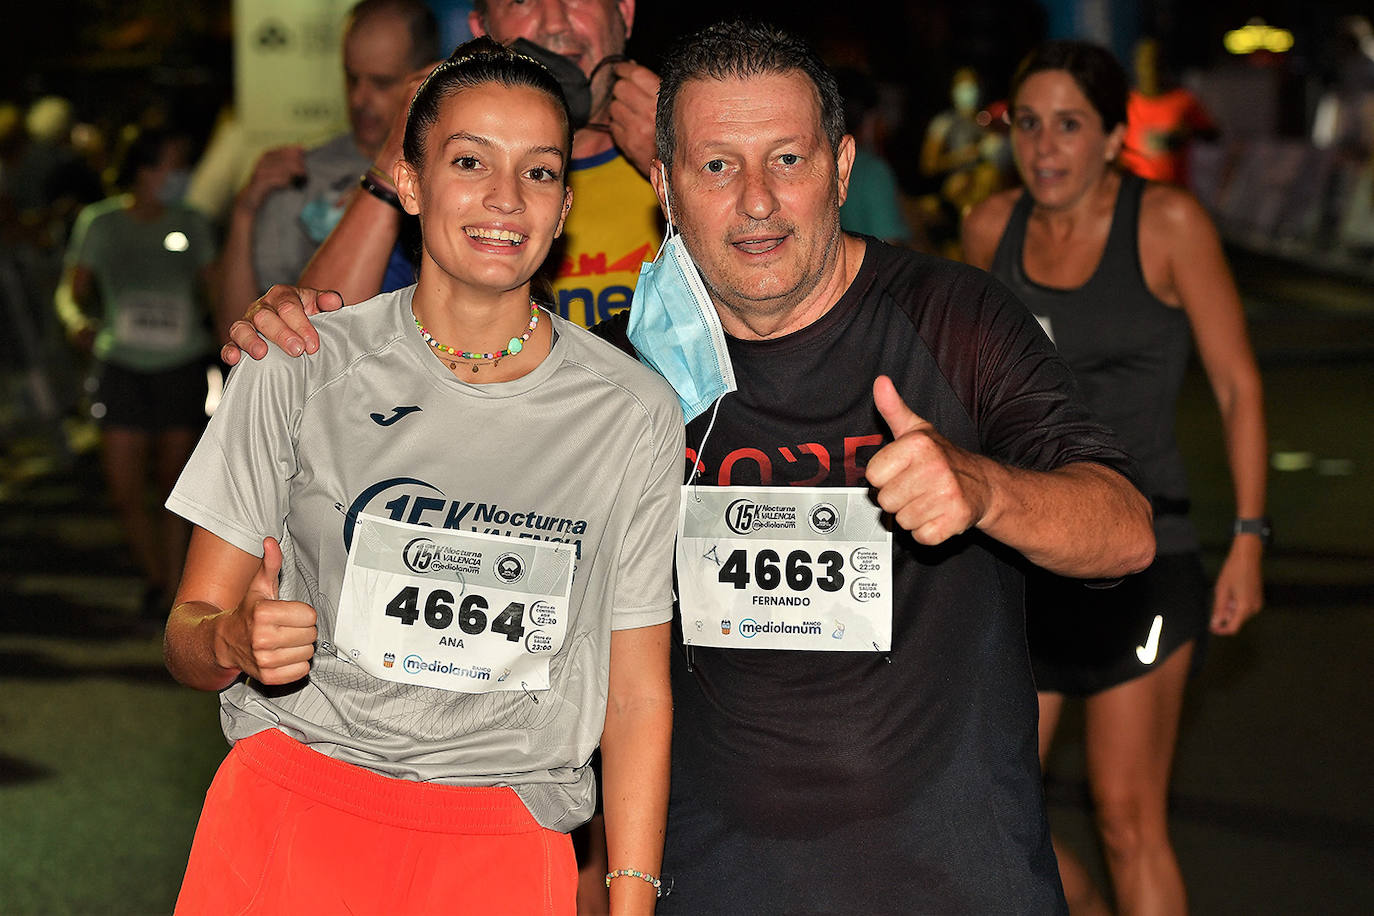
{"x":632,"y":873}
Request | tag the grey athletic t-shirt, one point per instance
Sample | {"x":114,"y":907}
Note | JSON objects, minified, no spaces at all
{"x":586,"y":449}
{"x":294,"y":221}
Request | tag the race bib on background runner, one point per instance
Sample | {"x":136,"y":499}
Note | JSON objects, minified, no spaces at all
{"x":784,"y":568}
{"x":454,"y":610}
{"x":152,"y":321}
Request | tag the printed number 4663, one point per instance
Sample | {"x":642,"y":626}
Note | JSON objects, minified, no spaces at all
{"x":471,"y":614}
{"x":771,"y":570}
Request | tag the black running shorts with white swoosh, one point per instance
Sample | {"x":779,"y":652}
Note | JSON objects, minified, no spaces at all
{"x":1084,"y":640}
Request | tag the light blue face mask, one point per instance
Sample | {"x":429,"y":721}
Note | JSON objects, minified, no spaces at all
{"x":174,"y":186}
{"x":675,"y":329}
{"x":320,"y":215}
{"x":965,"y":97}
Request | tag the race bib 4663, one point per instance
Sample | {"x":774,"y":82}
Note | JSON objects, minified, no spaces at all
{"x":784,"y":568}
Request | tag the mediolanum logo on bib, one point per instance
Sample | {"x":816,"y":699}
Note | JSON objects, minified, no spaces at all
{"x":743,"y":516}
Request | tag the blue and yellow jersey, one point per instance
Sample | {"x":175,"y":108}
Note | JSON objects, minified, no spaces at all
{"x":614,"y":227}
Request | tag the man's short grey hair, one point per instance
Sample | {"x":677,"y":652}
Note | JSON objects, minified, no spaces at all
{"x":741,"y":49}
{"x":418,"y":18}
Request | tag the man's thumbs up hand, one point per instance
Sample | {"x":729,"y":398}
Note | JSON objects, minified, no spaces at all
{"x":933,"y":488}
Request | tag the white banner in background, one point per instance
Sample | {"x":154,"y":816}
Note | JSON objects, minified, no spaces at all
{"x":288,"y":69}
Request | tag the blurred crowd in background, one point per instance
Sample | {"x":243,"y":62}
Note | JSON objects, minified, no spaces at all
{"x":1271,"y":126}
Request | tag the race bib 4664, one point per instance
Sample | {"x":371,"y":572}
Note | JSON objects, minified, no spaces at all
{"x":454,"y":610}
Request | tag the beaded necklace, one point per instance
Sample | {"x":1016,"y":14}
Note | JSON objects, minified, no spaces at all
{"x":515,"y":345}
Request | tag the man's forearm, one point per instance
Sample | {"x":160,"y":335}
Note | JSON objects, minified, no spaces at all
{"x":72,"y":308}
{"x":238,"y":284}
{"x":1082,"y":520}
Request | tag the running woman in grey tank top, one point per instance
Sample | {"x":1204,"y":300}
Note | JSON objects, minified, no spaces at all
{"x":1118,"y":272}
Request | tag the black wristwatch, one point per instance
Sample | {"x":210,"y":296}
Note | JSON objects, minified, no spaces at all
{"x":1259,"y":527}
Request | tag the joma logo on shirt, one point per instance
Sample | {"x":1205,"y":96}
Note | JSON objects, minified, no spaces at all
{"x":399,"y":412}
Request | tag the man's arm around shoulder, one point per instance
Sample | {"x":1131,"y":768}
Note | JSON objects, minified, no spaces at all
{"x":281,"y":315}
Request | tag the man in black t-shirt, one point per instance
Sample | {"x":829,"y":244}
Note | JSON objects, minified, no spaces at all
{"x":855,"y":716}
{"x":902,"y":779}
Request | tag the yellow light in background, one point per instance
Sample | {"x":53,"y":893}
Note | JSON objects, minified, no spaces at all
{"x":1292,"y":461}
{"x":1256,"y":36}
{"x":176,"y":240}
{"x":1278,"y":40}
{"x":1241,"y":41}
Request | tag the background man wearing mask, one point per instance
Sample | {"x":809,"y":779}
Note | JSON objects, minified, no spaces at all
{"x":296,"y":196}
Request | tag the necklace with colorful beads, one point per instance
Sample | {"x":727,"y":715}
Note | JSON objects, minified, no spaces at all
{"x":515,"y":345}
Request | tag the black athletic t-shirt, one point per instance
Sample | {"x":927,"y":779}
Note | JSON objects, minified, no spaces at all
{"x":907,"y":781}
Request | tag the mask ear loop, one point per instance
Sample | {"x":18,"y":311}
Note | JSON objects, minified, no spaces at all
{"x":606,"y":62}
{"x":668,"y":207}
{"x":696,"y":465}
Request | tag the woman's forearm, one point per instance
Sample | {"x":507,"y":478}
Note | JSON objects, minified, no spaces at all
{"x":189,"y":646}
{"x":1247,"y":450}
{"x":635,"y":750}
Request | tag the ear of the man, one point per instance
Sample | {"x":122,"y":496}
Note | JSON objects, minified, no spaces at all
{"x":627,"y":14}
{"x":844,"y":164}
{"x":475,"y":25}
{"x":407,"y":186}
{"x":658,"y":178}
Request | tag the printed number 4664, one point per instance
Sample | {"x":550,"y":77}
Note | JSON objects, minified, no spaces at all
{"x":471,"y":613}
